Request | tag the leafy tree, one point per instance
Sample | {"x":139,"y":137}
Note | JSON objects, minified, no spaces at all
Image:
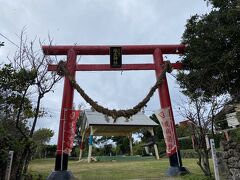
{"x":200,"y":114}
{"x":199,"y":123}
{"x":158,"y":136}
{"x":122,"y":143}
{"x":27,"y":58}
{"x":108,"y":149}
{"x":184,"y":135}
{"x":15,"y":109}
{"x":211,"y":67}
{"x":157,"y":129}
{"x":41,"y":137}
{"x":145,"y":135}
{"x":212,"y":51}
{"x":235,"y":135}
{"x":182,"y":131}
{"x":51,"y":150}
{"x":79,"y":130}
{"x":13,"y":88}
{"x":25,"y":80}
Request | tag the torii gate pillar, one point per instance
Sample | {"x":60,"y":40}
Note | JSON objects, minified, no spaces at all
{"x":165,"y":101}
{"x":61,"y":163}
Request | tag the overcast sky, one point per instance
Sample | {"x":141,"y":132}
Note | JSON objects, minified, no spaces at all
{"x":101,"y":22}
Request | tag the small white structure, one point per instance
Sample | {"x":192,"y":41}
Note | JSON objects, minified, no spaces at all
{"x":97,"y":124}
{"x":232,"y":119}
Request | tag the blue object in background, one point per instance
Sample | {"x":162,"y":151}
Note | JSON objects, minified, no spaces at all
{"x":91,"y":140}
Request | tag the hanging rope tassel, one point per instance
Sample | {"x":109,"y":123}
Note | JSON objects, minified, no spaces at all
{"x":62,"y":71}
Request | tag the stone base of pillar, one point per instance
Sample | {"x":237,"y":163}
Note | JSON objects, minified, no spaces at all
{"x":61,"y":175}
{"x":175,"y":171}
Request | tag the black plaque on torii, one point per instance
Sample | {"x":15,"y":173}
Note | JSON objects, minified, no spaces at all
{"x":115,"y":57}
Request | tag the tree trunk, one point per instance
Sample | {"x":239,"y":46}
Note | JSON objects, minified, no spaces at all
{"x":28,"y":151}
{"x":36,"y":115}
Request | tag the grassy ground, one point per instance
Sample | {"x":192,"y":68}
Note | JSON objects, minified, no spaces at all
{"x":145,"y":169}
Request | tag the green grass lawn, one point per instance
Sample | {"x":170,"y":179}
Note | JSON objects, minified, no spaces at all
{"x":145,"y":169}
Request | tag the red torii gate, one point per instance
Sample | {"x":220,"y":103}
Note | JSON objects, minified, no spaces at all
{"x":157,"y":51}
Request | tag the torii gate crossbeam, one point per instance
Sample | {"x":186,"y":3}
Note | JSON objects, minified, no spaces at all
{"x":67,"y":102}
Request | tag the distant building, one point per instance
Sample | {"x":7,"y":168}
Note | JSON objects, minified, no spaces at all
{"x":228,"y":117}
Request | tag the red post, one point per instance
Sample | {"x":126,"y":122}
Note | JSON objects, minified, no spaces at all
{"x":165,"y":101}
{"x":67,"y":103}
{"x":107,"y":67}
